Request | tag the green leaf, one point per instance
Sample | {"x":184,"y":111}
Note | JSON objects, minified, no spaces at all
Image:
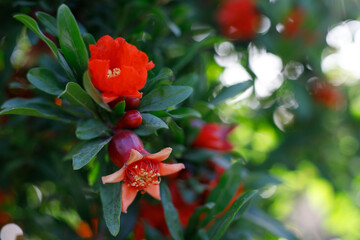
{"x":265,"y":221}
{"x":88,"y":152}
{"x":119,"y":109}
{"x":45,"y":80}
{"x":177,"y":132}
{"x":220,"y":226}
{"x":171,"y":215}
{"x":48,"y":21}
{"x":164,"y":74}
{"x":194,"y":221}
{"x":222,"y":194}
{"x":78,"y":97}
{"x":33,"y":26}
{"x":37,"y":108}
{"x":88,"y":39}
{"x":150,"y":124}
{"x":228,"y":92}
{"x":90,"y":129}
{"x":71,"y":42}
{"x":110,"y":195}
{"x":184,"y":113}
{"x":164,"y":97}
{"x":93,"y":92}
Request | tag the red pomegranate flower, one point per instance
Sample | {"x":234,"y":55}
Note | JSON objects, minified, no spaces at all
{"x":239,"y":19}
{"x":328,"y":95}
{"x":118,"y":68}
{"x":293,"y":22}
{"x":142,"y":172}
{"x":213,"y":136}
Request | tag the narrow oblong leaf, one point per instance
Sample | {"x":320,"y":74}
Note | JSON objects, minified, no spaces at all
{"x":45,"y":80}
{"x":48,"y":21}
{"x":88,"y":152}
{"x":110,"y":195}
{"x":93,"y":92}
{"x":37,"y":108}
{"x":240,"y":205}
{"x":90,"y":129}
{"x":150,"y":124}
{"x":260,"y":218}
{"x":194,"y":221}
{"x":71,"y":42}
{"x":228,"y":92}
{"x":78,"y":97}
{"x":184,"y":113}
{"x":171,"y":215}
{"x":164,"y":97}
{"x":33,"y":26}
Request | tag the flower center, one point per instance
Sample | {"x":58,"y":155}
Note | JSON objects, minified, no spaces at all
{"x":142,"y":173}
{"x":113,"y":73}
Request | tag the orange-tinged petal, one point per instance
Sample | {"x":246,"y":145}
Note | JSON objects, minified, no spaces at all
{"x":117,"y":176}
{"x":134,"y":156}
{"x":160,"y":156}
{"x":167,"y":169}
{"x":128,"y":195}
{"x":150,"y":65}
{"x":108,"y":97}
{"x":154,"y":191}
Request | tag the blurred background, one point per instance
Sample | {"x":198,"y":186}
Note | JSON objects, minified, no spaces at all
{"x":298,"y":122}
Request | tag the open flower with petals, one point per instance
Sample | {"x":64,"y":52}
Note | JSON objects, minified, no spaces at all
{"x":142,"y":172}
{"x":118,"y":68}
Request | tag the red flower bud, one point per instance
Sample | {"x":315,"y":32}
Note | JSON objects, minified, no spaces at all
{"x":213,"y":136}
{"x":131,"y":119}
{"x":121,"y":144}
{"x":132,"y":103}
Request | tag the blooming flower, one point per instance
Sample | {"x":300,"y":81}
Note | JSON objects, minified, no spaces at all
{"x":118,"y":68}
{"x":142,"y":172}
{"x":239,"y":19}
{"x":213,"y":136}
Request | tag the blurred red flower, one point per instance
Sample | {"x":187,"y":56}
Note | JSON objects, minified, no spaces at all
{"x":239,"y":19}
{"x":213,"y":136}
{"x":293,"y":22}
{"x":118,"y":68}
{"x":328,"y":95}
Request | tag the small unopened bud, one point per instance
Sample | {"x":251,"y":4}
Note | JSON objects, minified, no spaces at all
{"x":131,"y":119}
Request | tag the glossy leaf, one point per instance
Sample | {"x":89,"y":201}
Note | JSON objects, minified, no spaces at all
{"x":225,"y":190}
{"x":110,"y":195}
{"x":171,"y":215}
{"x":48,"y":21}
{"x":93,"y":92}
{"x":37,"y":108}
{"x":260,"y":218}
{"x":194,"y":221}
{"x":45,"y":80}
{"x":220,"y":226}
{"x":150,"y":124}
{"x":184,"y":113}
{"x":71,"y":42}
{"x":164,"y":97}
{"x":33,"y":26}
{"x":90,"y":129}
{"x":88,"y":152}
{"x":78,"y":97}
{"x":228,"y":92}
{"x":119,"y":108}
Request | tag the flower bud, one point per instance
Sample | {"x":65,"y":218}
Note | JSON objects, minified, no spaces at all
{"x":121,"y":144}
{"x":131,"y":103}
{"x":131,"y":119}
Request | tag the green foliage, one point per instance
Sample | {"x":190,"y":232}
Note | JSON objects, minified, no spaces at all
{"x":150,"y":124}
{"x":110,"y":197}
